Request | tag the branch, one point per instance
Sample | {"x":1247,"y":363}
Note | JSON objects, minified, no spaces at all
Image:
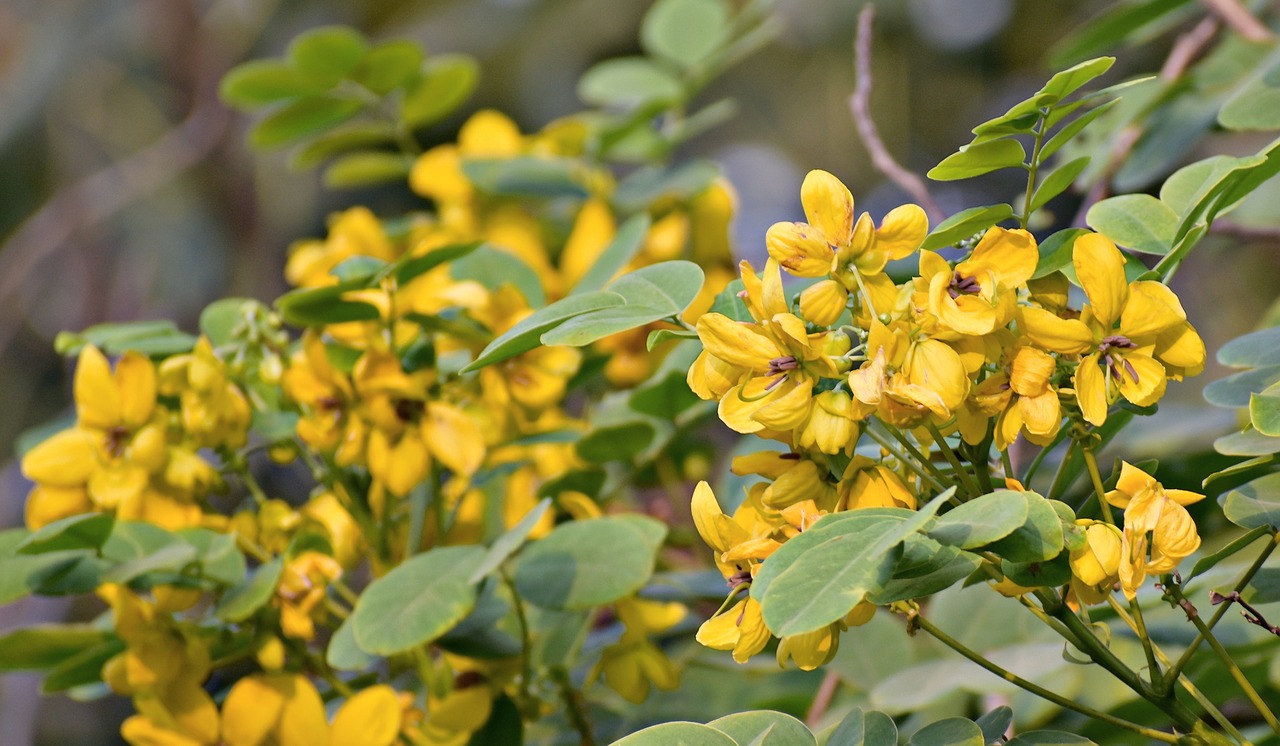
{"x":1241,"y":21}
{"x":860,"y":105}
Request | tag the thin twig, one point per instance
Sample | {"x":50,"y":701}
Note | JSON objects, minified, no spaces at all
{"x":860,"y":105}
{"x":1241,"y":21}
{"x":822,"y":699}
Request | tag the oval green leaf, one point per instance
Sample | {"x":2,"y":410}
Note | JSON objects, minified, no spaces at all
{"x":447,"y":80}
{"x":949,"y":732}
{"x":1136,"y":221}
{"x":583,"y":564}
{"x":1253,"y":350}
{"x":685,"y":32}
{"x":367,"y":168}
{"x":327,"y":53}
{"x":628,"y":82}
{"x":1255,"y":503}
{"x":1038,"y":539}
{"x":417,"y":602}
{"x":980,"y":158}
{"x":263,"y":82}
{"x":387,"y":65}
{"x":1233,"y":392}
{"x":507,"y":544}
{"x":865,"y":729}
{"x":1057,"y":182}
{"x":766,"y":727}
{"x":982,"y":520}
{"x":964,"y":224}
{"x":85,"y":531}
{"x":1264,"y":411}
{"x":677,"y":734}
{"x":240,"y":603}
{"x":526,"y":335}
{"x":1247,"y":443}
{"x":307,"y":116}
{"x":667,"y":286}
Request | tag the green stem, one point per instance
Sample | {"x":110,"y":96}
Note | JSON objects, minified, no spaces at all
{"x":574,"y":706}
{"x":1172,"y":674}
{"x":1037,"y":690}
{"x":1140,"y":627}
{"x":919,"y":465}
{"x":1232,"y":667}
{"x":1032,"y":168}
{"x":1095,"y":476}
{"x":419,"y":497}
{"x":961,"y":473}
{"x":526,"y":640}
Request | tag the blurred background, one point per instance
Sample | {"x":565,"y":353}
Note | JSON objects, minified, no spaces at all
{"x":127,"y":191}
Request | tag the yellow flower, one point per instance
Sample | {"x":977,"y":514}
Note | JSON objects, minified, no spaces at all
{"x":215,"y":411}
{"x":1135,"y":335}
{"x":1033,"y":409}
{"x":304,"y":583}
{"x":117,"y":445}
{"x":354,"y":232}
{"x":282,"y":708}
{"x":832,"y":427}
{"x":739,"y":629}
{"x":1158,"y":530}
{"x":633,"y":664}
{"x":869,"y":484}
{"x":980,"y":294}
{"x":811,"y":649}
{"x":327,"y":399}
{"x":1097,"y":563}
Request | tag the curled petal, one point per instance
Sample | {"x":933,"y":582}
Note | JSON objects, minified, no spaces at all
{"x":828,"y":206}
{"x":719,"y":531}
{"x":1047,"y":330}
{"x":800,"y":248}
{"x":735,"y":343}
{"x":902,"y":231}
{"x":1100,"y":269}
{"x":1142,"y":379}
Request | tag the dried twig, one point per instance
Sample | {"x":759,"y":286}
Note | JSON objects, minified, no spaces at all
{"x":1235,"y":15}
{"x":1250,"y":614}
{"x":860,"y":105}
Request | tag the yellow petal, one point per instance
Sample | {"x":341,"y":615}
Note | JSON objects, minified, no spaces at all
{"x":735,"y":343}
{"x":934,"y":365}
{"x":1100,"y":269}
{"x":97,"y":396}
{"x":66,"y":459}
{"x":1047,"y":330}
{"x":828,"y":206}
{"x":1148,"y":385}
{"x":716,"y":529}
{"x":1011,"y":253}
{"x":800,"y":248}
{"x":710,"y":377}
{"x":370,"y":718}
{"x":786,"y":407}
{"x":902,"y":231}
{"x":192,"y":709}
{"x":139,"y":730}
{"x":453,"y":438}
{"x":1181,"y":350}
{"x":252,"y":709}
{"x":1152,"y":308}
{"x":1030,"y":372}
{"x":823,"y":302}
{"x":135,"y":379}
{"x":302,"y":720}
{"x":811,"y":649}
{"x":1041,"y":414}
{"x":489,"y":134}
{"x":116,"y":485}
{"x":438,"y":174}
{"x":47,"y":504}
{"x":593,"y":229}
{"x":1091,"y":390}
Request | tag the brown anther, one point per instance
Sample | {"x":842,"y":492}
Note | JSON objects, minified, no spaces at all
{"x":780,"y":365}
{"x":738,"y":578}
{"x":468,"y":679}
{"x":408,"y":410}
{"x":116,"y":438}
{"x":961,"y":285}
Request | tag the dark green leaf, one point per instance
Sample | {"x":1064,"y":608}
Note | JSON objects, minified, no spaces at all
{"x":627,"y":83}
{"x":327,"y":53}
{"x":84,"y":667}
{"x":354,"y":136}
{"x":46,"y":645}
{"x":242,"y":601}
{"x":621,"y":250}
{"x":588,"y":563}
{"x":982,"y":520}
{"x":525,"y":335}
{"x":949,"y":732}
{"x":157,"y":338}
{"x":15,"y":569}
{"x":324,"y":305}
{"x":769,"y":727}
{"x":505,"y":725}
{"x":527,"y":176}
{"x":685,"y":32}
{"x":85,"y":531}
{"x":677,"y":734}
{"x":1057,"y":182}
{"x":387,"y":65}
{"x":1056,"y":251}
{"x":620,"y":442}
{"x":865,"y":729}
{"x":964,"y":224}
{"x":447,"y":80}
{"x":307,"y":116}
{"x":980,"y":158}
{"x":589,"y":327}
{"x":170,"y":561}
{"x":262,"y":82}
{"x":426,"y":595}
{"x":995,"y":723}
{"x":1037,"y":540}
{"x":367,"y":168}
{"x":507,"y":544}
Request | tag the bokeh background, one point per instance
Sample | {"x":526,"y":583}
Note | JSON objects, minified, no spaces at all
{"x":127,"y":190}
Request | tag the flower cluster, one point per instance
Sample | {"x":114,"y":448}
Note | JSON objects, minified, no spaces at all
{"x":864,"y":380}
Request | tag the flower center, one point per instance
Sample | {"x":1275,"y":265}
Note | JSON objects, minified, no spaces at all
{"x":1117,"y":365}
{"x":961,"y":285}
{"x":116,"y":438}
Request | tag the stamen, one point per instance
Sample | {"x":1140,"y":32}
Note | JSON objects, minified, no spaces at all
{"x":1133,"y":373}
{"x":780,"y":365}
{"x":961,"y":285}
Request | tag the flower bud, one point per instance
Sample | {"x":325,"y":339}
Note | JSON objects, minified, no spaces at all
{"x":822,"y":302}
{"x":1099,"y":561}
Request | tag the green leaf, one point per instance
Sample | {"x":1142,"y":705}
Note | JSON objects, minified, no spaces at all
{"x":666,"y":286}
{"x":1255,"y":503}
{"x":358,"y":268}
{"x":344,"y":654}
{"x":621,"y":250}
{"x":1247,"y":443}
{"x":1208,"y":561}
{"x":410,"y":267}
{"x":16,"y":569}
{"x":492,"y":267}
{"x":995,"y":723}
{"x":1058,"y":181}
{"x":982,"y":520}
{"x":74,"y":573}
{"x":1073,"y":128}
{"x":980,"y":158}
{"x":447,"y":80}
{"x":262,"y":82}
{"x":1137,"y":221}
{"x":659,"y":336}
{"x":1264,"y":411}
{"x":1049,"y":738}
{"x":945,"y":567}
{"x":581,"y":331}
{"x":627,"y":83}
{"x":1070,"y":80}
{"x":949,"y":732}
{"x":1037,"y":540}
{"x":677,"y":734}
{"x":781,"y":729}
{"x":865,"y":729}
{"x":827,"y":573}
{"x":325,"y":305}
{"x":685,"y":32}
{"x":45,"y":645}
{"x":1234,"y":391}
{"x":327,"y":53}
{"x":170,"y":560}
{"x":525,"y":335}
{"x":253,"y":592}
{"x":388,"y":65}
{"x":1189,"y":189}
{"x":82,"y":668}
{"x":354,"y":136}
{"x":85,"y":531}
{"x":588,"y":563}
{"x":1056,"y":251}
{"x":964,"y":224}
{"x":221,"y":319}
{"x":1114,"y":26}
{"x":507,"y":544}
{"x":1038,"y":574}
{"x":306,"y":116}
{"x":619,"y":442}
{"x":649,"y":184}
{"x":156,"y":338}
{"x":367,"y":168}
{"x":526,"y":176}
{"x":1253,"y":350}
{"x":425,"y":595}
{"x":505,"y":725}
{"x":1256,"y":105}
